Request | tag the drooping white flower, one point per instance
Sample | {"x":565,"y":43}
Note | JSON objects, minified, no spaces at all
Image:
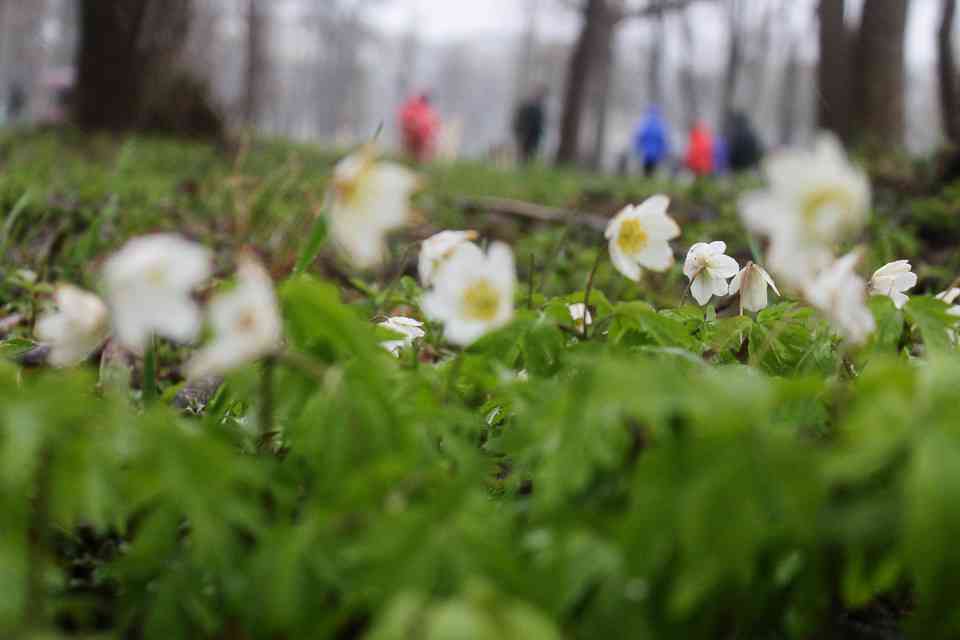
{"x":408,"y":327}
{"x":950,"y":296}
{"x":580,"y":315}
{"x":77,"y":328}
{"x":640,"y":237}
{"x":473,"y":292}
{"x":438,"y":248}
{"x":752,"y":283}
{"x":814,"y":199}
{"x":709,"y":270}
{"x":148,"y":285}
{"x":841,"y":295}
{"x":892,"y":280}
{"x":368,"y":199}
{"x":245,"y":320}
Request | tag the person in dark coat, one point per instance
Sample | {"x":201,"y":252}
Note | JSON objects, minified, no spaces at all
{"x":529,"y":122}
{"x":16,"y":101}
{"x":744,"y":149}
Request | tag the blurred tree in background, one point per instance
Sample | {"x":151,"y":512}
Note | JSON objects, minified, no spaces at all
{"x":129,"y":74}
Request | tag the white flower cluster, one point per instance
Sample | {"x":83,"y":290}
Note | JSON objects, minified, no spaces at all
{"x":640,"y":235}
{"x":149,"y":286}
{"x":815,"y":200}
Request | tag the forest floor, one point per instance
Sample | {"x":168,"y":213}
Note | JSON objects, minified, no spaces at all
{"x":69,"y":200}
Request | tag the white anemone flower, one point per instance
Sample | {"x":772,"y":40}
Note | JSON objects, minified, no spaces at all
{"x":246,"y":323}
{"x":892,"y":280}
{"x":368,"y":199}
{"x":709,"y":270}
{"x":78,"y":327}
{"x":640,"y":237}
{"x":473,"y":292}
{"x":437,"y":248}
{"x":814,"y":199}
{"x":409,"y":328}
{"x":148,"y":285}
{"x":752,"y":283}
{"x":949,"y":297}
{"x":841,"y":295}
{"x":580,"y":315}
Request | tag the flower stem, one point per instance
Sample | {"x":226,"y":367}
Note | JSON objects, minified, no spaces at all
{"x":589,"y":289}
{"x":303,"y":364}
{"x":149,"y":382}
{"x":267,"y":432}
{"x":35,"y":601}
{"x":533,"y":271}
{"x":388,"y":291}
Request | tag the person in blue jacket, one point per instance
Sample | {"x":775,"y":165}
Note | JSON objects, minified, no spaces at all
{"x":651,"y":141}
{"x":721,"y":155}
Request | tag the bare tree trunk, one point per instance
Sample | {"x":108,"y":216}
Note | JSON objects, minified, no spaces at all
{"x":110,"y":65}
{"x":655,"y":61}
{"x":834,"y":70}
{"x":528,"y":49}
{"x":688,"y":78}
{"x":604,"y":81}
{"x":790,"y":93}
{"x":255,"y":72}
{"x":128,"y":72}
{"x":947,"y":71}
{"x":880,"y":73}
{"x":598,"y":25}
{"x":734,"y":55}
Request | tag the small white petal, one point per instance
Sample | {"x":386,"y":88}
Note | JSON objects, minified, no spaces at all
{"x":702,"y":289}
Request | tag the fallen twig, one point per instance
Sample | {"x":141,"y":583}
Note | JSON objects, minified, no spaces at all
{"x":535,"y":212}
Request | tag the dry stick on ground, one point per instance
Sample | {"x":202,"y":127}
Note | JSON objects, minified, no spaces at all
{"x":535,"y":212}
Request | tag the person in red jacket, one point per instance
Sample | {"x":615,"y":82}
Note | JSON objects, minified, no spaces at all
{"x":700,"y":151}
{"x":419,"y":125}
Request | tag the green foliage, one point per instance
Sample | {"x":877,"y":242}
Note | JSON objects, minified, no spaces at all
{"x":675,"y":472}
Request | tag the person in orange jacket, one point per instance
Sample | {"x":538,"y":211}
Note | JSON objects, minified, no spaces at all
{"x":700,"y":151}
{"x":419,"y":125}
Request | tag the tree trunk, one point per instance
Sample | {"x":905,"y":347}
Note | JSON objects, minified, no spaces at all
{"x":655,"y":61}
{"x":599,"y":23}
{"x":734,"y":57}
{"x":603,"y":87}
{"x":687,"y":72}
{"x":947,"y":71}
{"x":789,"y":96}
{"x":881,"y":73}
{"x":834,"y":70}
{"x":528,"y":48}
{"x":128,"y":75}
{"x":256,"y":62}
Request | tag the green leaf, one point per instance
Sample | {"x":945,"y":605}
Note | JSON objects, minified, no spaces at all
{"x":930,"y":317}
{"x":312,"y":245}
{"x":659,"y":328}
{"x":889,"y":323}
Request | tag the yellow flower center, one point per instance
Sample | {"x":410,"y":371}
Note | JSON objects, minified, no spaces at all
{"x":349,"y":188}
{"x":481,"y":301}
{"x":157,"y":276}
{"x":815,"y":203}
{"x":246,"y":321}
{"x":633,"y":237}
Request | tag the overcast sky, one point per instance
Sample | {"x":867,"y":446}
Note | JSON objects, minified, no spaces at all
{"x":445,"y":20}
